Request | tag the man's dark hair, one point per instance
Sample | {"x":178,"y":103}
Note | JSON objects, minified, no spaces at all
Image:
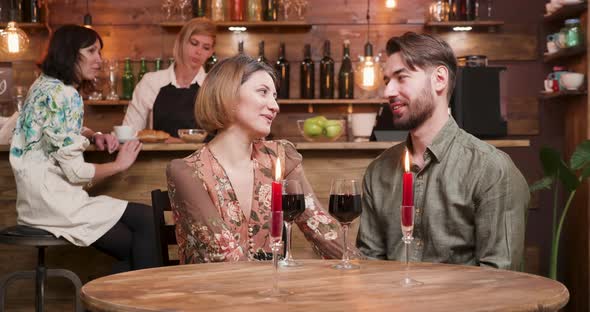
{"x":424,"y":51}
{"x":63,"y":54}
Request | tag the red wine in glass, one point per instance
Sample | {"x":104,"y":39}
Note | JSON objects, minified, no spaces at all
{"x":346,"y":207}
{"x":293,"y":206}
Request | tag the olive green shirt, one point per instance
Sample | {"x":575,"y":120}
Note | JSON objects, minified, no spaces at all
{"x":470,"y":202}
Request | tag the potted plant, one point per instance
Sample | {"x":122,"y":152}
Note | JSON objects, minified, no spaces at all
{"x":571,"y":176}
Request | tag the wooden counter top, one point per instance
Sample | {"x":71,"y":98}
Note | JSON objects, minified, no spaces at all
{"x":303,"y":146}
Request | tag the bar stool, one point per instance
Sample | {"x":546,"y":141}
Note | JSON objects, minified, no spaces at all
{"x":28,"y":236}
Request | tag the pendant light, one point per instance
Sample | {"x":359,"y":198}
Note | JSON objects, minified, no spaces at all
{"x":368,"y":74}
{"x":13,"y":40}
{"x":390,"y":4}
{"x":87,"y":17}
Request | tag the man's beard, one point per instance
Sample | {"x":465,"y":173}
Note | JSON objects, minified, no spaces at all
{"x":419,"y":110}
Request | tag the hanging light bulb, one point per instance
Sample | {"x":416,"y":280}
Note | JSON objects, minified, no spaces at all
{"x":390,"y":4}
{"x":368,"y":71}
{"x":13,"y":40}
{"x":87,"y":17}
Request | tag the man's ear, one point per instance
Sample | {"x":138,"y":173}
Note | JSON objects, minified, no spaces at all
{"x":440,"y":79}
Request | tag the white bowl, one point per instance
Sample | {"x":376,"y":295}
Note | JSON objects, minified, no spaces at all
{"x":192,"y":135}
{"x":572,"y":81}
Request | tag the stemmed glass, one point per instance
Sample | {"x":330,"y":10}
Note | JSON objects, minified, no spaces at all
{"x":276,"y":234}
{"x":113,"y":69}
{"x":293,"y":207}
{"x":407,"y":225}
{"x":345,"y":206}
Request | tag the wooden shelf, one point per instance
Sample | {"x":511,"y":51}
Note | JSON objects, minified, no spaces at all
{"x":474,"y":24}
{"x":566,"y":11}
{"x":561,"y":94}
{"x":26,"y":25}
{"x":105,"y":102}
{"x":249,"y":25}
{"x":565,"y":53}
{"x":332,"y":101}
{"x":281,"y":102}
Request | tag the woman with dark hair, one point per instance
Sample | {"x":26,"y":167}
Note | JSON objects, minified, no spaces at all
{"x":47,"y":160}
{"x":220,"y":194}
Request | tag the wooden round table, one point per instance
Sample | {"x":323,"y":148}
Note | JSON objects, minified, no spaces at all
{"x":317,"y":287}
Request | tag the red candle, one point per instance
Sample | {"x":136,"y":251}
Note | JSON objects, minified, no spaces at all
{"x":408,"y":183}
{"x":276,"y":205}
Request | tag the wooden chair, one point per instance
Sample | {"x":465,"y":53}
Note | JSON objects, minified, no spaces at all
{"x":165,"y":232}
{"x":41,"y":239}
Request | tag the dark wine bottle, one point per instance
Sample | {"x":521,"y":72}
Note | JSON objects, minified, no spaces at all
{"x":282,"y":68}
{"x":199,"y":8}
{"x":307,"y":74}
{"x":261,"y":58}
{"x":346,"y":75}
{"x":270,"y":10}
{"x":211,"y":61}
{"x":240,"y":47}
{"x":327,"y":73}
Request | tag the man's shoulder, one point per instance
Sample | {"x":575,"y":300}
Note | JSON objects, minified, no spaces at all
{"x":469,"y":144}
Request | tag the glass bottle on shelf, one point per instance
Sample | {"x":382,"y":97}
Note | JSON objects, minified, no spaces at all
{"x":218,"y":8}
{"x":270,"y":10}
{"x":170,"y":62}
{"x":158,"y":64}
{"x":211,"y":61}
{"x":572,"y":32}
{"x":31,"y":11}
{"x":439,"y":11}
{"x":113,"y":67}
{"x":327,"y":73}
{"x":261,"y":58}
{"x":282,"y":68}
{"x":346,"y":74}
{"x":199,"y":8}
{"x":241,"y":47}
{"x":128,"y":81}
{"x":307,"y":74}
{"x":254,"y":10}
{"x":237,"y":10}
{"x":142,"y":69}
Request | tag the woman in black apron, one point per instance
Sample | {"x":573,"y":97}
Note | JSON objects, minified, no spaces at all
{"x":165,"y":100}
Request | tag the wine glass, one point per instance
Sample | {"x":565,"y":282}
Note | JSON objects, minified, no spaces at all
{"x":293,"y":207}
{"x":407,"y":225}
{"x":113,"y":70}
{"x":345,"y":206}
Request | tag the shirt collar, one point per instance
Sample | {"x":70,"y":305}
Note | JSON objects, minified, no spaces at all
{"x":199,"y":77}
{"x":442,"y":141}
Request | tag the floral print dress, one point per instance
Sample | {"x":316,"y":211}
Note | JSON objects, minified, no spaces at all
{"x":210,"y":224}
{"x":46,"y":156}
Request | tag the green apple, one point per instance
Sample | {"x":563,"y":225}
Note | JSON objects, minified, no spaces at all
{"x":319,"y":120}
{"x":311,"y":128}
{"x":332,"y":128}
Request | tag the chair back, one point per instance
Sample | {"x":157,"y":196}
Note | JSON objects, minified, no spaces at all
{"x":165,"y":228}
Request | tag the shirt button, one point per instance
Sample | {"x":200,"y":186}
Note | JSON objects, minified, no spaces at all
{"x":418,"y":242}
{"x":418,"y":211}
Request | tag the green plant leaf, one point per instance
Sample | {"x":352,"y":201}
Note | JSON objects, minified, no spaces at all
{"x":551,"y":160}
{"x":581,"y":157}
{"x":568,"y":177}
{"x":543,"y":184}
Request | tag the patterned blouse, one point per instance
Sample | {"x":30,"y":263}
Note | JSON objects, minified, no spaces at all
{"x":210,"y":225}
{"x":47,"y":160}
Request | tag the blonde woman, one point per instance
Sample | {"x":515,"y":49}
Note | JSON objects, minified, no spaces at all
{"x":220,"y":194}
{"x":164,"y":100}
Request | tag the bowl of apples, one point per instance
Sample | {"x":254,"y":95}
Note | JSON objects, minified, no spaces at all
{"x":321,"y":129}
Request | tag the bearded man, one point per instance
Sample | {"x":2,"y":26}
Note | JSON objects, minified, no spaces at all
{"x":469,"y":197}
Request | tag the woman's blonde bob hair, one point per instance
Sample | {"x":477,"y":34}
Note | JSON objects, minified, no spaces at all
{"x":196,"y":26}
{"x":214,"y":106}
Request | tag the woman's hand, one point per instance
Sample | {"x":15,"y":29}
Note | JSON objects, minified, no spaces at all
{"x":127,"y":154}
{"x":106,"y":141}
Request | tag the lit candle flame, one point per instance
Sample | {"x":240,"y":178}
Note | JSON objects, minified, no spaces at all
{"x":407,"y":161}
{"x":278,"y":170}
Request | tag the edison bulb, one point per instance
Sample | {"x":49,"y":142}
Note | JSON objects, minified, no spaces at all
{"x":13,"y":40}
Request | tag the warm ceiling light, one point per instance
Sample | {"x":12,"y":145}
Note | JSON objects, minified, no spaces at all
{"x":369,"y":70}
{"x":462,"y":28}
{"x":390,"y":4}
{"x":87,"y":18}
{"x":13,"y":40}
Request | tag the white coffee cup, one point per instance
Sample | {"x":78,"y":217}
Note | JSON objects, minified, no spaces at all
{"x":362,"y":125}
{"x":124,"y":132}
